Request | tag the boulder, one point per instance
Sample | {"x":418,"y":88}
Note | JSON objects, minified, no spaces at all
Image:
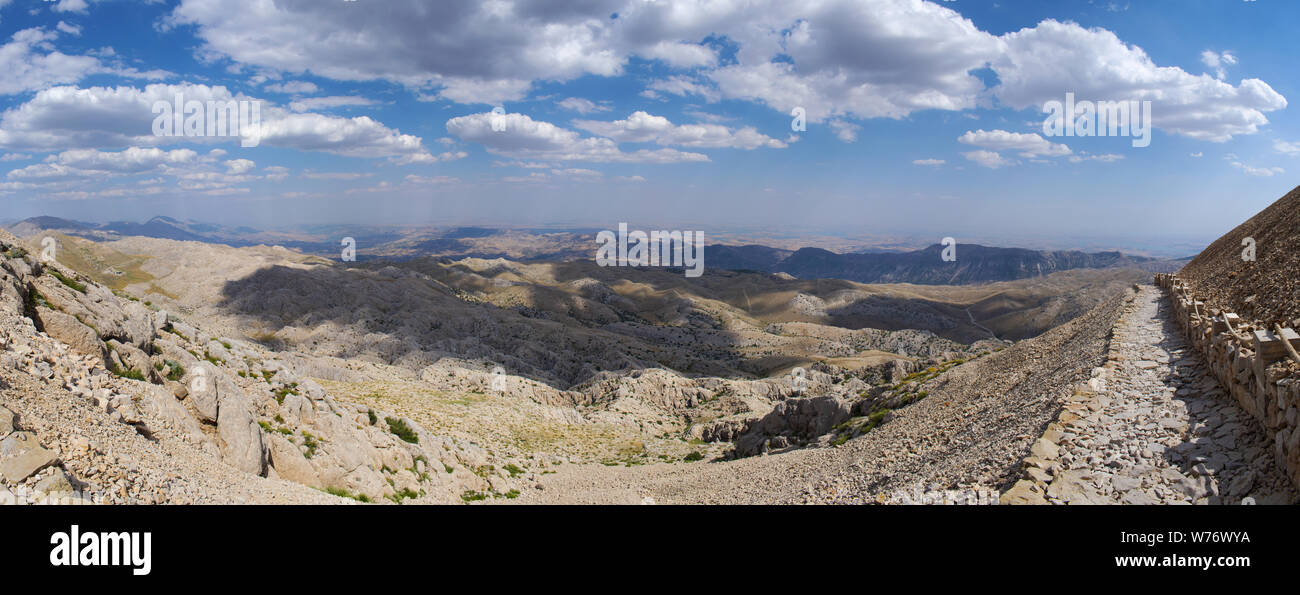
{"x":1073,"y":487}
{"x":1242,"y":484}
{"x":243,"y":444}
{"x":138,"y":322}
{"x":158,"y":402}
{"x":297,"y":408}
{"x":1024,"y":492}
{"x":8,"y":422}
{"x":802,"y":418}
{"x":55,"y":485}
{"x":21,"y":456}
{"x":160,"y":322}
{"x":217,"y":350}
{"x":810,"y":417}
{"x":12,"y":295}
{"x":71,"y":331}
{"x":183,"y":329}
{"x":200,"y":382}
{"x":1044,"y":449}
{"x":364,"y":480}
{"x":290,"y":464}
{"x":133,"y":358}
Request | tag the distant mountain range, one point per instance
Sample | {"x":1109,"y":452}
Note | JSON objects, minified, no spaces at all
{"x":158,"y":227}
{"x":974,"y":264}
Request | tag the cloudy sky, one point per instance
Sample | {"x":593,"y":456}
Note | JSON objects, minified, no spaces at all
{"x":921,"y":117}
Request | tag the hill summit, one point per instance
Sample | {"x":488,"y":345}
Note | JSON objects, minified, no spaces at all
{"x":1265,"y":288}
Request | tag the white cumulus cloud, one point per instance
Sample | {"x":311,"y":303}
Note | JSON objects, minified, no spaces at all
{"x":521,"y":137}
{"x":642,"y":127}
{"x":1027,"y":144}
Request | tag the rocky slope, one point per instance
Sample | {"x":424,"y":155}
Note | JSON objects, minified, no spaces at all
{"x":965,"y":437}
{"x":128,"y":404}
{"x":1266,"y":288}
{"x":177,"y":382}
{"x":449,"y":381}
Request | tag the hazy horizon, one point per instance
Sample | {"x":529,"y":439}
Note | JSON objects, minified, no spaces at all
{"x":879,"y":117}
{"x":787,"y":238}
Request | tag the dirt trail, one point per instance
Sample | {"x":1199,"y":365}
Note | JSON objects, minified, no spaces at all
{"x":977,"y":324}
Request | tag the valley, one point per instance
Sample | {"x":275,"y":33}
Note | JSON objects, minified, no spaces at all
{"x":598,"y":368}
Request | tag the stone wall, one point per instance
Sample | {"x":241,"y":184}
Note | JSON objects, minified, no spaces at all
{"x":1250,"y":362}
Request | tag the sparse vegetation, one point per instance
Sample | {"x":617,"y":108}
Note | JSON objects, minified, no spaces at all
{"x":69,"y":282}
{"x":35,"y":298}
{"x":403,"y":494}
{"x":342,"y":493}
{"x":311,"y":443}
{"x":130,"y":373}
{"x":401,"y":430}
{"x":284,"y":391}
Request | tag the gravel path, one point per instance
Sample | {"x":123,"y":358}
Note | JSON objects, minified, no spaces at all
{"x":1161,"y":430}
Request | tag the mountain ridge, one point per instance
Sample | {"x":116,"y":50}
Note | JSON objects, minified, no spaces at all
{"x":974,"y":263}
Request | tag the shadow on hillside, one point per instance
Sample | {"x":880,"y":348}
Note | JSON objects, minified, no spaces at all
{"x":404,"y":319}
{"x":741,"y":290}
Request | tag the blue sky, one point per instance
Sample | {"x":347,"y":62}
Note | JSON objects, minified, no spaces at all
{"x":924,"y":118}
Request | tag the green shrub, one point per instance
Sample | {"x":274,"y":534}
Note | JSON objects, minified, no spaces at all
{"x":694,"y":456}
{"x":404,"y":494}
{"x":176,"y":370}
{"x":342,"y":493}
{"x":310,"y":442}
{"x":37,"y":299}
{"x":401,"y":430}
{"x":131,"y":373}
{"x":71,"y":283}
{"x":284,"y":392}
